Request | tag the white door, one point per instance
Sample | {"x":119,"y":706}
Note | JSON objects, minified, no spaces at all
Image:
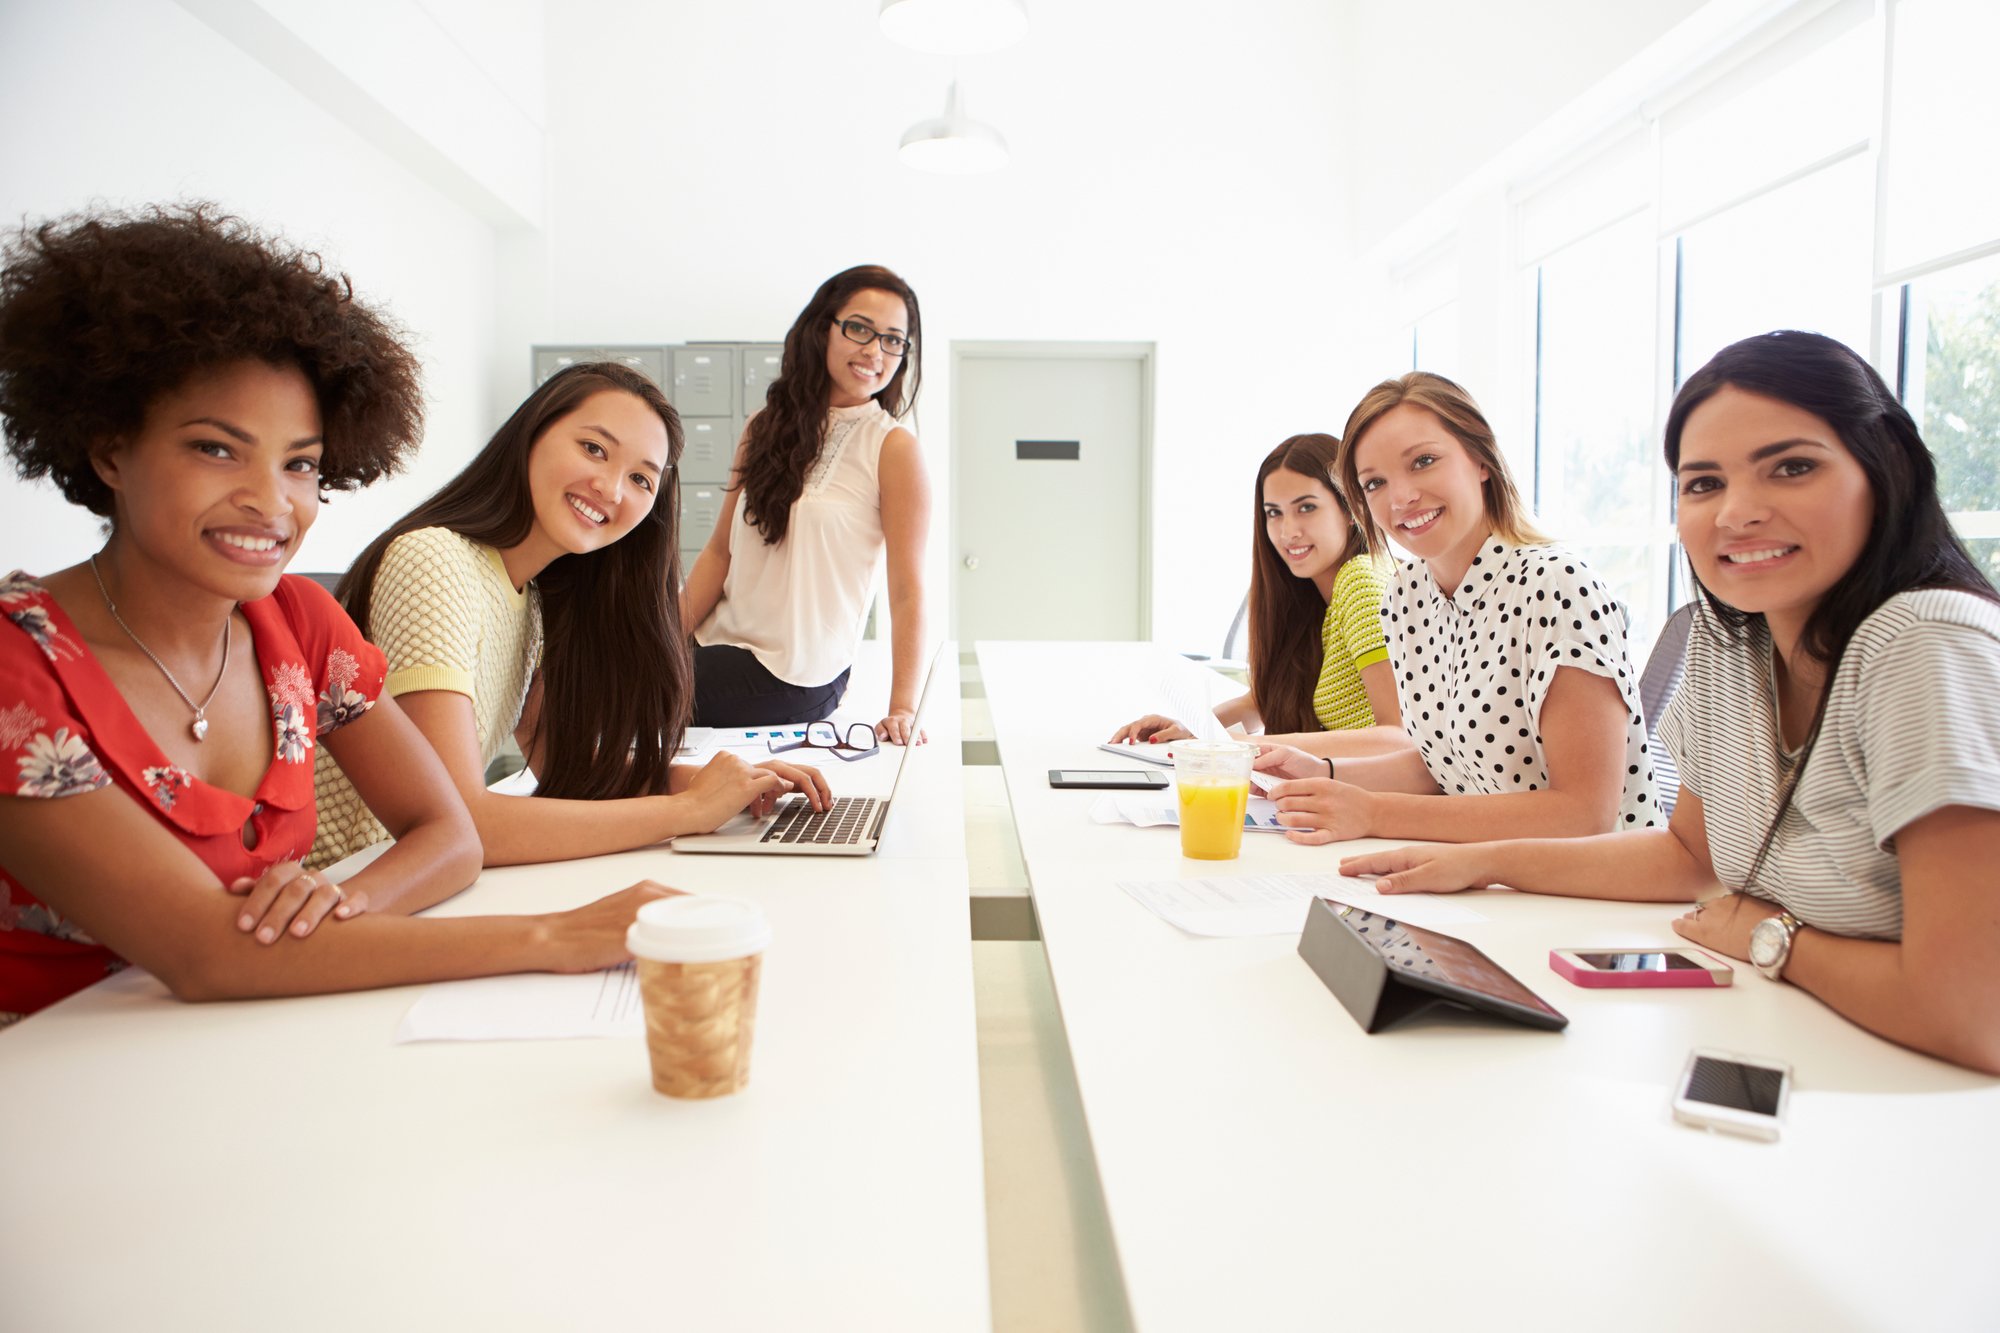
{"x":1049,"y":478}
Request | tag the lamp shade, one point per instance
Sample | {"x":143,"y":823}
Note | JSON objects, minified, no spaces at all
{"x":953,"y":144}
{"x":955,"y":27}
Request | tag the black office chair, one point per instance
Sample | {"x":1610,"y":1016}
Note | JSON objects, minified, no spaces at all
{"x":1665,"y":666}
{"x":327,"y":581}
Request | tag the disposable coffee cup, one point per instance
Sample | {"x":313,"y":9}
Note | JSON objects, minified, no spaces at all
{"x":699,"y":958}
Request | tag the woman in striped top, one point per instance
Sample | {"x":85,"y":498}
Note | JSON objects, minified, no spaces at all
{"x":1319,"y":660}
{"x":1838,"y":728}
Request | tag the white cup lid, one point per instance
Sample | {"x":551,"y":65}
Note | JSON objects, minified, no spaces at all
{"x":698,"y":928}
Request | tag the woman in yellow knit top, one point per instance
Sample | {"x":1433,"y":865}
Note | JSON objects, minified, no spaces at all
{"x":1319,"y":660}
{"x":537,"y":595}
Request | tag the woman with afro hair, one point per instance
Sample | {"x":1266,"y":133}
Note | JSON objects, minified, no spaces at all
{"x":199,"y":387}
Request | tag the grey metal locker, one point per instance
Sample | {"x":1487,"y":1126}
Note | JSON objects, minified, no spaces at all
{"x":548,"y":360}
{"x":648,"y":361}
{"x":760,"y":367}
{"x":700,"y":506}
{"x":704,"y":381}
{"x":711,"y":443}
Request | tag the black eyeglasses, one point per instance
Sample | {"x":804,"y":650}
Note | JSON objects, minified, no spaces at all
{"x":859,"y":737}
{"x":857,"y":332}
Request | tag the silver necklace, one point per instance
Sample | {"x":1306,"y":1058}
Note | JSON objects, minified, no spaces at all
{"x":200,"y":724}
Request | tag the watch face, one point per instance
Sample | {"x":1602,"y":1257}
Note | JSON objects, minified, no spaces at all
{"x":1767,"y":941}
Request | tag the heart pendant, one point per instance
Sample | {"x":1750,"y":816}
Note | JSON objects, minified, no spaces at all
{"x":199,"y":727}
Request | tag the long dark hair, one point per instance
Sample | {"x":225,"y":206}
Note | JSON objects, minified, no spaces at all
{"x":1286,"y":611}
{"x":1910,"y":542}
{"x":617,"y":678}
{"x":785,"y":438}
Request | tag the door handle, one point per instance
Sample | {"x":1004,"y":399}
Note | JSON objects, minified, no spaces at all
{"x":972,"y":562}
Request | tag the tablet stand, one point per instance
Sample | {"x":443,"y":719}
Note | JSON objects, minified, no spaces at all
{"x":1370,"y":989}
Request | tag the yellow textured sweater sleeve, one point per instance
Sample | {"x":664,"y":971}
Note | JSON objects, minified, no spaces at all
{"x":1357,"y":595}
{"x":424,"y":613}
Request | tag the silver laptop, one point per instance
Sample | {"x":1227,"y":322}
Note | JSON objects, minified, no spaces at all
{"x":849,"y":826}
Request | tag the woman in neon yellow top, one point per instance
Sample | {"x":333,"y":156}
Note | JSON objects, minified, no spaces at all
{"x":1319,"y":659}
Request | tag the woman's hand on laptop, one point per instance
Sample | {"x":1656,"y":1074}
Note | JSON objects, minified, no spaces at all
{"x":727,"y":784}
{"x":803,"y":778}
{"x":900,"y":728}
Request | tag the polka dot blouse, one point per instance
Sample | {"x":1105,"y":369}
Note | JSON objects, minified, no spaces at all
{"x":1473,"y":667}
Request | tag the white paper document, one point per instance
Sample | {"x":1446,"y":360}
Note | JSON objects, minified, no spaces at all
{"x":1144,"y":751}
{"x":1276,"y":904}
{"x":530,"y":1006}
{"x":1163,"y":754}
{"x":1151,"y":811}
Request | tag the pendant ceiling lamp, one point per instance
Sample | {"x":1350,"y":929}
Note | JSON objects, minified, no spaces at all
{"x":955,"y":27}
{"x":953,"y":144}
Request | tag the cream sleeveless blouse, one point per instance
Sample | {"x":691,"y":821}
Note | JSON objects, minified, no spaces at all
{"x":800,"y":605}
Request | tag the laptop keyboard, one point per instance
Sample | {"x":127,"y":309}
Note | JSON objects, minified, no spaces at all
{"x":843,"y":822}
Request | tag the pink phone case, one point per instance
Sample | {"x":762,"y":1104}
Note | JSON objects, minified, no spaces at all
{"x":1592,"y":978}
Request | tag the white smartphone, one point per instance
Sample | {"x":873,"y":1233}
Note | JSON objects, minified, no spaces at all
{"x":1737,"y":1094}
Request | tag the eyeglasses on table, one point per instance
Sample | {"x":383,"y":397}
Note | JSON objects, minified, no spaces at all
{"x":856,"y":741}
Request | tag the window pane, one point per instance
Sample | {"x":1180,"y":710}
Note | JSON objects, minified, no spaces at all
{"x":1599,"y":484}
{"x":1798,"y":104}
{"x":1631,"y":571}
{"x":1986,"y":554}
{"x":1952,"y":380}
{"x":1942,"y":98}
{"x":1616,"y":182}
{"x":1796,"y":258}
{"x":1597,"y":465}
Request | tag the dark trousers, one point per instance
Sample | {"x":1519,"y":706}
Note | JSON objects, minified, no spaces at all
{"x":732,"y":689}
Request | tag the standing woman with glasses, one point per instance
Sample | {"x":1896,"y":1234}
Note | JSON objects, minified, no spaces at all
{"x":823,"y":484}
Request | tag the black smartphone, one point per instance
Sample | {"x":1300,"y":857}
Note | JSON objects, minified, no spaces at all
{"x":1108,"y":779}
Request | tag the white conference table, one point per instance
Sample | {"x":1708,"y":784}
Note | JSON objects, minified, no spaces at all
{"x":280,"y":1164}
{"x":1266,"y":1165}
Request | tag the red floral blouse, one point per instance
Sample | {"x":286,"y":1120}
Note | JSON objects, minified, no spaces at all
{"x":65,"y":730}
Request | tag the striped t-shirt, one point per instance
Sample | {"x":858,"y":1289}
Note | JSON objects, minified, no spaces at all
{"x":1912,"y":725}
{"x":1350,"y":638}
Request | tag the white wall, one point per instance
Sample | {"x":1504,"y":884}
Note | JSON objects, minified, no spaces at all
{"x":1485,"y":101}
{"x":1436,"y":87}
{"x":1232,"y":184}
{"x":126,"y":102}
{"x":1174,"y":181}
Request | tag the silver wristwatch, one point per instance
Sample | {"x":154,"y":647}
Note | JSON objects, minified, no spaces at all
{"x":1771,"y":944}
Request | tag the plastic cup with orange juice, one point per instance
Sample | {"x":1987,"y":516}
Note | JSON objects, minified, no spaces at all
{"x":1213,"y":779}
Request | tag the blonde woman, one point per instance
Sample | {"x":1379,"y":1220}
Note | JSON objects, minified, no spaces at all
{"x":1518,"y":697}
